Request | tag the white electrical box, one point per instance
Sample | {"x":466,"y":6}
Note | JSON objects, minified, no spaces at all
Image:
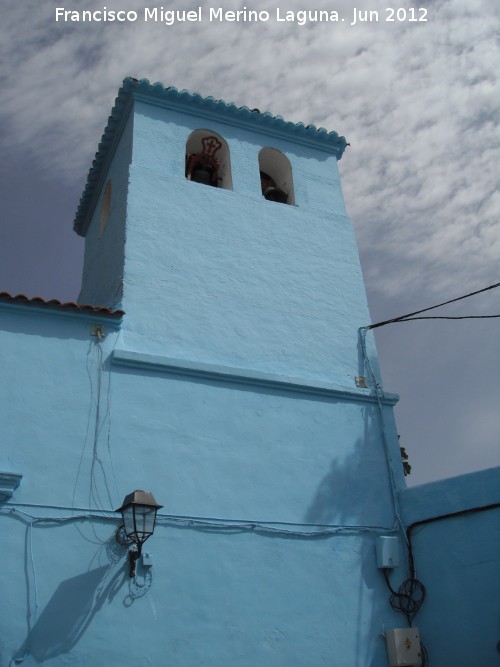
{"x":147,"y":559}
{"x":387,"y":551}
{"x":403,"y":647}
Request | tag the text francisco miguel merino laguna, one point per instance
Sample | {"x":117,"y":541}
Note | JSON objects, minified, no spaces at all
{"x":218,"y":14}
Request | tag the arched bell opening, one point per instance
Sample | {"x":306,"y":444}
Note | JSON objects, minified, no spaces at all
{"x":276,"y":176}
{"x":208,"y":160}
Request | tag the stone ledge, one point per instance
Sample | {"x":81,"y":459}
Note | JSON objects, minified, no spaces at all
{"x":228,"y":374}
{"x":9,"y":481}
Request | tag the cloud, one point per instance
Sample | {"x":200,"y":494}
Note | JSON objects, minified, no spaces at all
{"x":417,"y":101}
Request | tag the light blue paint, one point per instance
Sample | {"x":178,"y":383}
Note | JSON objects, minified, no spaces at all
{"x":458,"y":559}
{"x":9,"y":481}
{"x":278,"y":289}
{"x":103,"y":262}
{"x":227,"y":390}
{"x":244,"y":376}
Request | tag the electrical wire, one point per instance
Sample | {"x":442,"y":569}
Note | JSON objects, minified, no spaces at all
{"x":268,"y":528}
{"x":29,"y":542}
{"x":437,"y":317}
{"x":98,"y":426}
{"x":97,"y":418}
{"x":55,"y":520}
{"x":441,"y":517}
{"x":408,"y":598}
{"x":211,"y":524}
{"x":411,"y":593}
{"x":385,"y":443}
{"x":410,"y":316}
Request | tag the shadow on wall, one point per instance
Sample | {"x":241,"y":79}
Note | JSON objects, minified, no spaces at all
{"x":356,"y":488}
{"x":355,"y":491}
{"x":70,"y":611}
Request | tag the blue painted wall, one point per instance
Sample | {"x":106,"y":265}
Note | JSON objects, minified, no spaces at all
{"x":286,"y":489}
{"x":228,"y":391}
{"x":232,"y":278}
{"x":102,"y":279}
{"x":458,"y":560}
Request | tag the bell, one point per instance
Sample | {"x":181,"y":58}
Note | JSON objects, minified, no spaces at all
{"x":275,"y":194}
{"x":202,"y":173}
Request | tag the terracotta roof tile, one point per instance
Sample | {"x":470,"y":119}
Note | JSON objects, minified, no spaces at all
{"x":55,"y":303}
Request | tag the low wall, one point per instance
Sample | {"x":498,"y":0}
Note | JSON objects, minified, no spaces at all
{"x":454,"y":532}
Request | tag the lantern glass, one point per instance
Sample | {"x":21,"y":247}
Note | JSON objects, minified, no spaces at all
{"x":129,"y":521}
{"x":144,"y":522}
{"x":139,"y":516}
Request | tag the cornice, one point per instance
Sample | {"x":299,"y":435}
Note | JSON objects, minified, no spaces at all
{"x":9,"y":481}
{"x":242,"y":376}
{"x":228,"y":112}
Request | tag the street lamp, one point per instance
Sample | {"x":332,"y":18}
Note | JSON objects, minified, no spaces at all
{"x":139,"y":515}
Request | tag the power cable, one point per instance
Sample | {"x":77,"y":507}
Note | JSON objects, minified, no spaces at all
{"x":409,"y":316}
{"x":438,"y":317}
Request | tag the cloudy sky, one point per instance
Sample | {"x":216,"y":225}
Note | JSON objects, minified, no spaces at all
{"x":417,"y":100}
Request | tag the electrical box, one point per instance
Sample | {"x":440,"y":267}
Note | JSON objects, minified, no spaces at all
{"x":147,"y":559}
{"x":403,"y":647}
{"x":387,"y":551}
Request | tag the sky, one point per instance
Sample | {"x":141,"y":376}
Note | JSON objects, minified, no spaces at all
{"x":419,"y":104}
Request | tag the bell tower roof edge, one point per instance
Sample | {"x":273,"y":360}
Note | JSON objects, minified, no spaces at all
{"x":194,"y":104}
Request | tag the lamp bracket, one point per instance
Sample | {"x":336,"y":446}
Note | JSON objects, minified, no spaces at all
{"x":121,"y":536}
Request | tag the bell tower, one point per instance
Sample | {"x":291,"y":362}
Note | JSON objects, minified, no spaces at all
{"x":222,"y":233}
